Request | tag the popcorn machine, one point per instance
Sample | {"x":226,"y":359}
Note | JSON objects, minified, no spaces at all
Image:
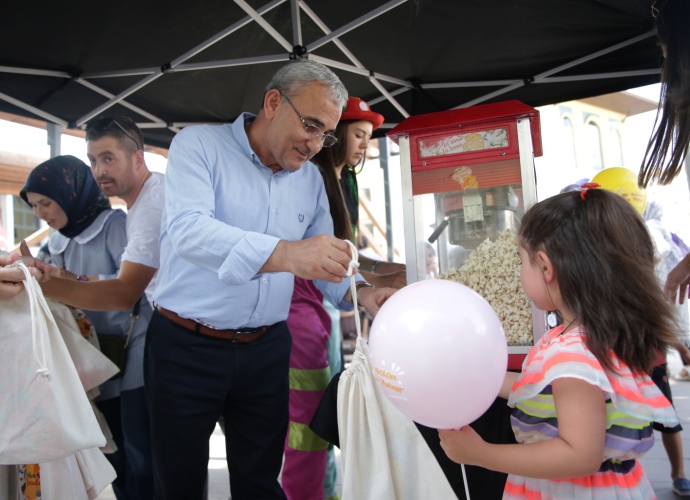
{"x":467,"y":178}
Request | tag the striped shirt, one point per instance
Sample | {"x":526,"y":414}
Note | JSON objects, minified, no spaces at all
{"x":632,"y":402}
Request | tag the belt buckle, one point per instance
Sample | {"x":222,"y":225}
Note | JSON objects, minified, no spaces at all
{"x":243,"y":331}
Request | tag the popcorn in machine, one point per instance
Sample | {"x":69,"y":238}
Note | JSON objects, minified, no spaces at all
{"x":467,"y":178}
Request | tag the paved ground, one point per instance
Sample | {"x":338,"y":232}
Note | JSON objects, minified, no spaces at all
{"x":655,"y":462}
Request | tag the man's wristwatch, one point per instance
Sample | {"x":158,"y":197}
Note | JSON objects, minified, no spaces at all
{"x":362,"y":284}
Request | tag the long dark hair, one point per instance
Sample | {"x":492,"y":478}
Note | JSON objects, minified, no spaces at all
{"x":603,"y":260}
{"x":671,"y":135}
{"x":327,"y":159}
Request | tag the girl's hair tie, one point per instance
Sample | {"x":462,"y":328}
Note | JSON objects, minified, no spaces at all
{"x":586,"y":187}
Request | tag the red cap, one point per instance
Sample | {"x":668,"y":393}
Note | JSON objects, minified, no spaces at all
{"x":356,"y":109}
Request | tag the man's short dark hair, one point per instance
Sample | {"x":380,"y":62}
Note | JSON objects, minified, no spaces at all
{"x":119,"y":127}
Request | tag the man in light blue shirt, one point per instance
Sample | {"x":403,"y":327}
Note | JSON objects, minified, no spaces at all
{"x":245,"y":211}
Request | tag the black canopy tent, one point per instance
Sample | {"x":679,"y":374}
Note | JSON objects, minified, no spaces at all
{"x":169,"y":64}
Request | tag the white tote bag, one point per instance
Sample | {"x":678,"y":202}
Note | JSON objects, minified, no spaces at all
{"x":383,"y":454}
{"x":93,"y":367}
{"x":82,"y":476}
{"x":44,"y":410}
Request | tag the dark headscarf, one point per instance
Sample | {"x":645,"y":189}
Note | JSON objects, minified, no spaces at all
{"x":68,"y":181}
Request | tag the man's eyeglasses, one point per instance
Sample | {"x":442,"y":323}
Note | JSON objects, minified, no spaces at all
{"x":312,"y":131}
{"x":104,"y":124}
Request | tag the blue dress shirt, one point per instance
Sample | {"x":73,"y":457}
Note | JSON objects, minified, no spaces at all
{"x":224,"y":214}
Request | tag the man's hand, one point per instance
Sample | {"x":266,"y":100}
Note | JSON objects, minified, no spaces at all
{"x":372,"y":298}
{"x":320,"y":257}
{"x":43,"y":270}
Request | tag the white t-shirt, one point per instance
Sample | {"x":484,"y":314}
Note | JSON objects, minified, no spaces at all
{"x":144,"y":228}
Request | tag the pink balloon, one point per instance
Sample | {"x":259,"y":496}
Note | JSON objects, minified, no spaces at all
{"x":439,"y":353}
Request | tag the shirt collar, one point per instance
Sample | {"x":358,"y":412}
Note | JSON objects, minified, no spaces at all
{"x":58,"y":242}
{"x":240,"y":134}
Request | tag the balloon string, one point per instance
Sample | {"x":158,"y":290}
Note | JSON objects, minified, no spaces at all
{"x":353,"y":289}
{"x":464,"y":480}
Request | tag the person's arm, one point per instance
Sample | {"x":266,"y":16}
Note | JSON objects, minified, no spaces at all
{"x":683,"y":351}
{"x":382,"y":274}
{"x":508,"y":382}
{"x":370,"y":298}
{"x":379,"y":266}
{"x":678,"y":280}
{"x":576,"y":452}
{"x":119,"y":294}
{"x":320,"y":257}
{"x":395,"y":280}
{"x":237,"y":255}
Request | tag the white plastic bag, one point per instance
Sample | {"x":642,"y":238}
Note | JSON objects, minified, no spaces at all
{"x":44,"y":411}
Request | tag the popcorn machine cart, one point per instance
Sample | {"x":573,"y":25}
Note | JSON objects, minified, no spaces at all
{"x":467,"y":178}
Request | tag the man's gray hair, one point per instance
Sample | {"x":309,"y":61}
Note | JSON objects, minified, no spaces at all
{"x":289,"y":80}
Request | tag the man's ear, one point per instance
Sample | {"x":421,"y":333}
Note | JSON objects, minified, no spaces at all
{"x":271,"y":101}
{"x":546,"y":266}
{"x":139,"y":159}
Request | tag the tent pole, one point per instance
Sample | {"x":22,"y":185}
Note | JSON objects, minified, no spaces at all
{"x":160,"y":71}
{"x":36,"y":72}
{"x":31,"y":109}
{"x":119,"y":97}
{"x":358,"y":66}
{"x":264,"y":24}
{"x":54,"y":139}
{"x":543,"y":76}
{"x":296,"y":23}
{"x":354,"y":24}
{"x":598,"y":76}
{"x":127,"y":105}
{"x":384,"y":155}
{"x":242,"y":61}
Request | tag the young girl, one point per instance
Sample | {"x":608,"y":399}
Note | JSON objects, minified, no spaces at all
{"x":583,"y":402}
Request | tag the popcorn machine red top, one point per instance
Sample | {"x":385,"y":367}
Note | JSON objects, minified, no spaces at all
{"x":467,"y":178}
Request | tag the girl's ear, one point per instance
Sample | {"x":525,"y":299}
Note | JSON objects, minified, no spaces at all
{"x":546,"y":266}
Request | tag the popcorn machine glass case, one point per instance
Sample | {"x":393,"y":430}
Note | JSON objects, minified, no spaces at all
{"x":467,"y":177}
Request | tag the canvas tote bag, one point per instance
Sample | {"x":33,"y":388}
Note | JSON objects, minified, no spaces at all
{"x":383,"y":455}
{"x":44,"y":410}
{"x":92,"y":366}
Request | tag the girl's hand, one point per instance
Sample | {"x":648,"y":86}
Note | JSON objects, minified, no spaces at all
{"x":463,"y":446}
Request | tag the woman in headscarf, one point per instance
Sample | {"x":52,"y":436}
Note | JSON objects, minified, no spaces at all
{"x":88,"y":244}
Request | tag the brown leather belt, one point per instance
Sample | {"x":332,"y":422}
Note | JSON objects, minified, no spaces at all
{"x":241,"y":335}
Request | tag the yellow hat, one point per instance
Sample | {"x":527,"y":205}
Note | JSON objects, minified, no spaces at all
{"x":623,"y":182}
